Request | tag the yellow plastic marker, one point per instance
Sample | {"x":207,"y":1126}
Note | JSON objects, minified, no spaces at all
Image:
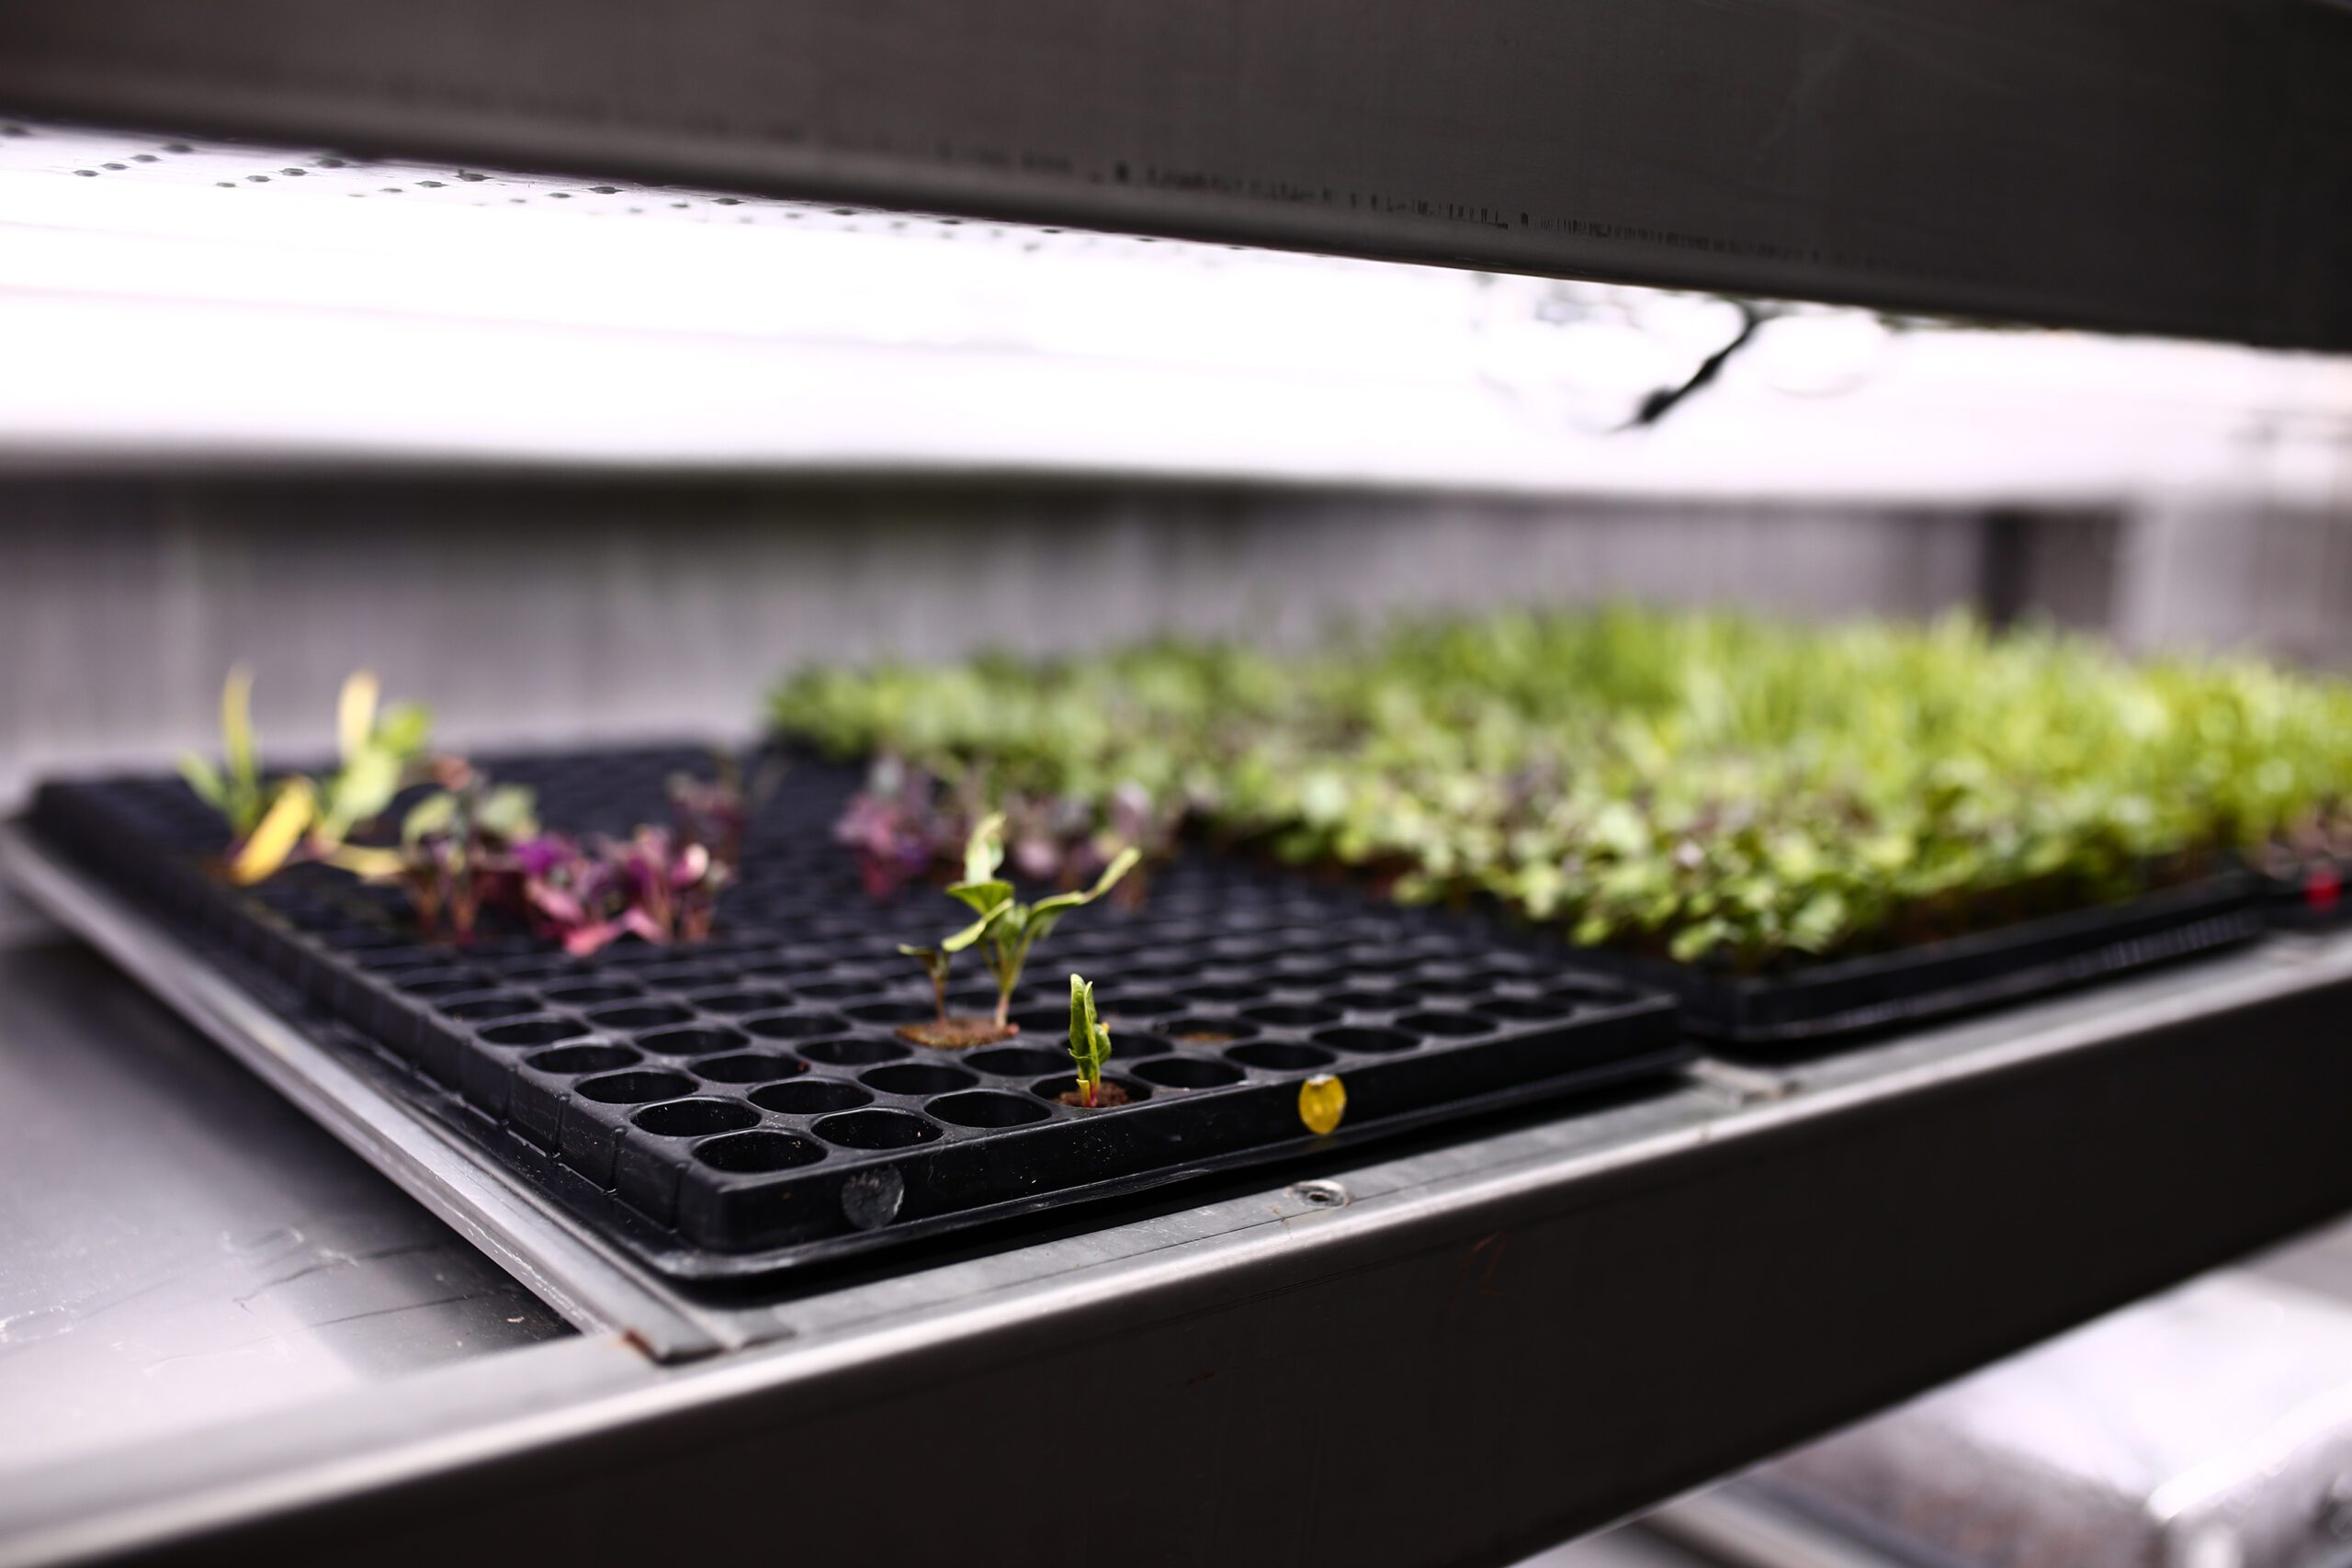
{"x":1322,"y":1101}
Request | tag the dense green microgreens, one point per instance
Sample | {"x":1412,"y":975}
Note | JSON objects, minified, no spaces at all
{"x":1706,"y":786}
{"x":1090,"y":1043}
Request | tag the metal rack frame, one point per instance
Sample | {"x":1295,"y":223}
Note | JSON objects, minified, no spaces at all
{"x":1532,"y":1330}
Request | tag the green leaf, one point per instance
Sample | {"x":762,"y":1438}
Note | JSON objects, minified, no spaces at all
{"x":237,"y":724}
{"x":364,"y":786}
{"x":972,"y":933}
{"x":437,"y":813}
{"x":984,"y":850}
{"x":205,"y":779}
{"x":280,"y":829}
{"x":355,"y":712}
{"x":405,"y":729}
{"x":1090,"y":1043}
{"x":985,"y":898}
{"x":508,"y":810}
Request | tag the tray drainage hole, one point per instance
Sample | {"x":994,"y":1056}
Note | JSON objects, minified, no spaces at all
{"x":1524,"y":1011}
{"x":902,"y":1012}
{"x":755,"y":1067}
{"x":797,"y":1025}
{"x":748,"y":1153}
{"x":687,"y":976}
{"x":1204,"y":1031}
{"x":362,"y":941}
{"x":833,"y":991}
{"x":856,"y":1052}
{"x":631,"y":1089}
{"x":1189,"y":1072}
{"x":589,"y":996}
{"x":1226,"y":993}
{"x":698,"y":1041}
{"x":1374,"y":1041}
{"x":476,"y":1010}
{"x":739,"y":1001}
{"x":1136,"y":1006}
{"x":1368,"y":1002}
{"x":986,"y":1107}
{"x":695,"y":1118}
{"x":916,"y":1078}
{"x":534,"y":1032}
{"x":1021,"y":1061}
{"x":583,"y":1059}
{"x":1282,"y":1016}
{"x":876,"y":1130}
{"x":810,"y":1096}
{"x":438,"y":982}
{"x":1448,"y":1025}
{"x":652,"y":1016}
{"x":402,"y":959}
{"x":1279,"y":1059}
{"x":1049,"y":1021}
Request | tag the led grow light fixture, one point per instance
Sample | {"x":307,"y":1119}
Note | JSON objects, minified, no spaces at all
{"x":216,"y":303}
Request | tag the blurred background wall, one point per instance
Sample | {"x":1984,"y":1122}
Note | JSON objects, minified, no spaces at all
{"x":561,"y":610}
{"x":544,"y":610}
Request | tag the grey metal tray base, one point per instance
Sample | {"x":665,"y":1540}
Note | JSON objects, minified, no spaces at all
{"x":559,"y":1260}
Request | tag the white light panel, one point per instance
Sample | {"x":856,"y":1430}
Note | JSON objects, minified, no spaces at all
{"x":205,"y":303}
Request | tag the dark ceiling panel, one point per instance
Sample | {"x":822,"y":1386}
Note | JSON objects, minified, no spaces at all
{"x":2169,"y":165}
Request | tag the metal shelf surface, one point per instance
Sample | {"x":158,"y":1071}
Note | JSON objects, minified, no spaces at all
{"x":1454,"y":1351}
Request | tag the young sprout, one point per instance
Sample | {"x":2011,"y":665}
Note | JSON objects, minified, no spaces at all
{"x":1005,"y":930}
{"x":1090,"y":1043}
{"x":234,"y":788}
{"x":456,"y":850}
{"x":300,"y":818}
{"x":377,"y":754}
{"x":1011,"y":928}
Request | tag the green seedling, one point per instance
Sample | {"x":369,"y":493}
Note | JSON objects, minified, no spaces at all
{"x":1004,"y":929}
{"x":234,"y":788}
{"x":1090,"y":1043}
{"x":1007,"y":927}
{"x":378,"y":753}
{"x":295,"y":816}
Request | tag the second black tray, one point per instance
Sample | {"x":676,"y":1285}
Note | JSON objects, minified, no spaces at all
{"x":1820,"y":1003}
{"x":744,"y":1104}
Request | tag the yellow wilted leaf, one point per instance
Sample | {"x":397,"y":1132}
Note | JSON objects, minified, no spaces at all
{"x":1322,"y":1101}
{"x":355,"y":712}
{"x":266,"y":849}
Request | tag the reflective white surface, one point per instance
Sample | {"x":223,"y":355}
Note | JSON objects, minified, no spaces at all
{"x":179,"y":1247}
{"x":211,"y":303}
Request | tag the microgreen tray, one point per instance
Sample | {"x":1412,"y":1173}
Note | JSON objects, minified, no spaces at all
{"x":1811,"y":1006}
{"x":741,"y":1104}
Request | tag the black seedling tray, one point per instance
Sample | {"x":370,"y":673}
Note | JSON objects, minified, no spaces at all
{"x":2319,"y":896}
{"x":740,"y":1105}
{"x":1813,"y":1005}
